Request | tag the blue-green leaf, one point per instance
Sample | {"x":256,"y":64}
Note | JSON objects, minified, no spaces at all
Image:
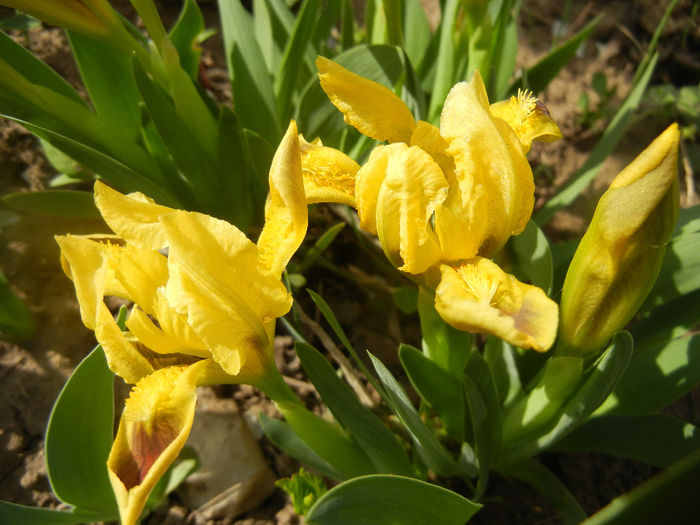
{"x":389,"y":500}
{"x":14,"y":514}
{"x":79,"y":437}
{"x":60,"y":203}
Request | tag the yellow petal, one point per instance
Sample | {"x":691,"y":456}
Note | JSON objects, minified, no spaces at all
{"x":141,"y":272}
{"x":217,"y":283}
{"x":479,"y":297}
{"x":492,"y":173}
{"x":528,"y":118}
{"x":369,"y":180}
{"x":123,"y":358}
{"x":427,"y":137}
{"x":154,"y":427}
{"x":132,"y":217}
{"x":371,"y":108}
{"x":286,"y":216}
{"x":329,"y":174}
{"x":620,"y":256}
{"x":411,"y":190}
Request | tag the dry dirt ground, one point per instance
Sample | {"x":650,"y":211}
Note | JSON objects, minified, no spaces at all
{"x":32,"y":373}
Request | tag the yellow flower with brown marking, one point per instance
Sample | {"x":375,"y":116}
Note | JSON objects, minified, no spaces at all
{"x":444,"y":200}
{"x":205,"y":302}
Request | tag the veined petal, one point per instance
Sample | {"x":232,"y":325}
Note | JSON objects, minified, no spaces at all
{"x":123,"y":358}
{"x":371,"y":108}
{"x":286,"y":216}
{"x":154,"y":427}
{"x":489,"y":165}
{"x":528,"y":118}
{"x":412,"y":189}
{"x":217,"y":283}
{"x":328,"y":173}
{"x":478,"y":296}
{"x":132,"y":217}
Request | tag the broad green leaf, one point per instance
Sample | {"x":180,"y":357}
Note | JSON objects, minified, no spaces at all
{"x":265,"y":34}
{"x":597,"y":385}
{"x":531,"y":258}
{"x":446,"y":346}
{"x":553,"y":490}
{"x":501,"y":358}
{"x":688,"y":221}
{"x":541,"y":74}
{"x":605,"y":145}
{"x":282,"y":435}
{"x":441,"y":391}
{"x":680,"y":271}
{"x":445,"y":64}
{"x":669,"y":497}
{"x":666,"y":322}
{"x":34,"y":70}
{"x":79,"y":437}
{"x":390,"y":500}
{"x":186,"y":35}
{"x":253,"y":93}
{"x":416,"y":30}
{"x":293,"y":57}
{"x":656,"y":378}
{"x":505,"y":49}
{"x":15,"y":320}
{"x":320,"y":246}
{"x":60,"y":203}
{"x":12,"y":513}
{"x":376,"y":440}
{"x":431,"y":451}
{"x":657,"y":439}
{"x":327,"y":439}
{"x":112,"y":90}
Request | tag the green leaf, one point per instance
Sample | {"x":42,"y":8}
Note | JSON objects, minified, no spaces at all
{"x":320,"y":246}
{"x":60,"y":203}
{"x":327,"y":439}
{"x":376,"y":440}
{"x":680,"y":271}
{"x":657,"y":439}
{"x":390,"y":500}
{"x":669,"y":497}
{"x":505,"y":39}
{"x":304,"y":489}
{"x":446,"y":346}
{"x":668,"y":321}
{"x":186,"y":35}
{"x":441,"y":391}
{"x":688,"y":221}
{"x":79,"y":437}
{"x":282,"y":435}
{"x":433,"y":454}
{"x":12,"y":513}
{"x":542,"y":73}
{"x":501,"y":358}
{"x":253,"y":92}
{"x":445,"y":65}
{"x":15,"y":320}
{"x":417,"y":31}
{"x":293,"y":57}
{"x":553,"y":490}
{"x":605,"y":145}
{"x":656,"y":378}
{"x":532,"y":257}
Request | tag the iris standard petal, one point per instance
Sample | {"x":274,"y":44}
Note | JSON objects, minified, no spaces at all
{"x":286,"y":215}
{"x":141,"y":272}
{"x":497,"y":186}
{"x":528,"y":118}
{"x":369,"y":180}
{"x":217,"y":283}
{"x":371,"y":108}
{"x":413,"y":187}
{"x":478,"y":296}
{"x":328,"y":174}
{"x":154,"y":427}
{"x":132,"y":217}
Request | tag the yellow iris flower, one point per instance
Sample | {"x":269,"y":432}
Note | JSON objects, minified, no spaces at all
{"x":444,"y":200}
{"x":206,"y":300}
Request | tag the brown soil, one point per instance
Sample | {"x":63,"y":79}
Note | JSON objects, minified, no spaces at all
{"x":33,"y":372}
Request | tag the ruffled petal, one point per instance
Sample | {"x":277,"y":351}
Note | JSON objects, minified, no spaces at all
{"x":369,"y":180}
{"x":140,"y":272}
{"x":329,"y":174}
{"x":286,"y":216}
{"x":154,"y":427}
{"x":412,"y":189}
{"x":371,"y":108}
{"x":528,"y":118}
{"x":132,"y":217}
{"x":478,"y":296}
{"x":494,"y":178}
{"x":217,"y":284}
